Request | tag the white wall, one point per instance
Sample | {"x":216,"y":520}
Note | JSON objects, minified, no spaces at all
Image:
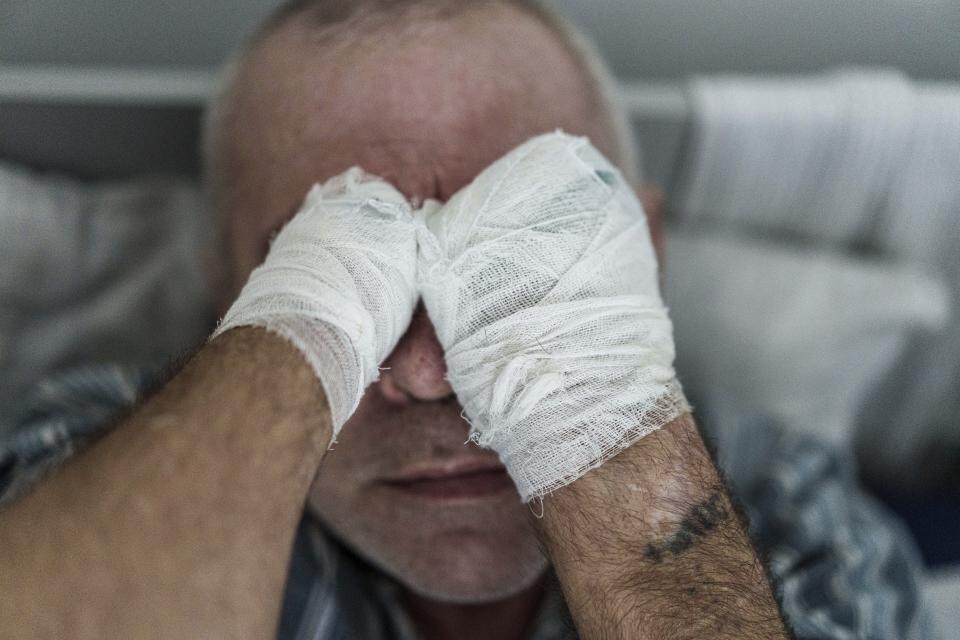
{"x":643,"y":38}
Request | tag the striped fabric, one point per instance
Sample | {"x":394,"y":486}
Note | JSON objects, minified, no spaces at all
{"x":843,"y":566}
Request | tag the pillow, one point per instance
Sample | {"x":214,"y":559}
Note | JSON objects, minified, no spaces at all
{"x":805,"y":157}
{"x":917,"y":408}
{"x":107,"y":272}
{"x":801,"y":335}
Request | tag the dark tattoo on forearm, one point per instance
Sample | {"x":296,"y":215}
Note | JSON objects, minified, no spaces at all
{"x":698,"y":521}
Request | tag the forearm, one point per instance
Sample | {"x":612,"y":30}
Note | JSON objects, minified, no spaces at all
{"x":179,"y":523}
{"x":648,"y":545}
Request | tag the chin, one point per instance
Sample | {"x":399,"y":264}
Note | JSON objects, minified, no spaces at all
{"x":461,"y":570}
{"x":483,"y":557}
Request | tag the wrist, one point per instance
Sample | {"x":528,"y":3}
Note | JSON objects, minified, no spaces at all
{"x":654,"y":535}
{"x":323,"y":350}
{"x":274,"y":377}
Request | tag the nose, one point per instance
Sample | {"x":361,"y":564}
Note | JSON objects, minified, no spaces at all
{"x":415,"y":371}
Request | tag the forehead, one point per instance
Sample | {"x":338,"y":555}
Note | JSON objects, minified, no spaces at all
{"x":426,"y":104}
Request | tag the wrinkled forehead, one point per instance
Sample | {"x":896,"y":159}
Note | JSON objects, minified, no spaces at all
{"x":426,"y":107}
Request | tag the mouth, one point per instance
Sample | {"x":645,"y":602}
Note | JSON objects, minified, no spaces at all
{"x":454,"y":480}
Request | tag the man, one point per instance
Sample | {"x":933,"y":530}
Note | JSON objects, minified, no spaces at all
{"x":179,"y":521}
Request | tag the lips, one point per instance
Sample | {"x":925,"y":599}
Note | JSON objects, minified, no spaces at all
{"x":469,"y":479}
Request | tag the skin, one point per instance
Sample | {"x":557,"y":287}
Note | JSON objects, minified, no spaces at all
{"x":180,"y":521}
{"x":649,"y":545}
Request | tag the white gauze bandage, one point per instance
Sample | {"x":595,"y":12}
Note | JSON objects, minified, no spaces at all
{"x":541,"y":280}
{"x":339,"y":283}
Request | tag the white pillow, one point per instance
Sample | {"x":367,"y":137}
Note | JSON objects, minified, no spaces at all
{"x":107,"y":272}
{"x":797,"y":334}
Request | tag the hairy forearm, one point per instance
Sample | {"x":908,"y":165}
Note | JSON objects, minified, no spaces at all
{"x":649,"y":546}
{"x":179,"y":522}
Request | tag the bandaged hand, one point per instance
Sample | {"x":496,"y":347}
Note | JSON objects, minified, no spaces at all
{"x":338,"y":283}
{"x":541,"y":281}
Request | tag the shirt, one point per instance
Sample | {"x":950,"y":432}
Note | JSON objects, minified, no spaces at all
{"x":841,"y":565}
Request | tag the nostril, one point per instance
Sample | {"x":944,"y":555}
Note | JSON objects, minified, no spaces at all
{"x":392,"y":392}
{"x":413,"y":380}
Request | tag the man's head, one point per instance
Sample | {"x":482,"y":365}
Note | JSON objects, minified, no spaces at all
{"x":426,"y":94}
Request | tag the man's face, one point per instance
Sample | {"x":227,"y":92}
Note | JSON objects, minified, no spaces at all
{"x":427,"y":108}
